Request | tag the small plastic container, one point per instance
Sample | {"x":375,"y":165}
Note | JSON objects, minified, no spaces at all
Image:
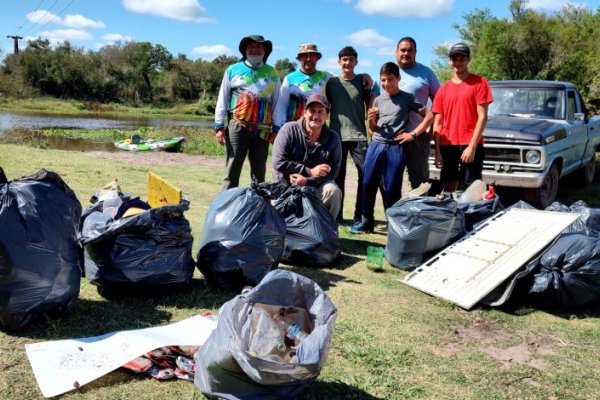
{"x":111,"y":204}
{"x":375,"y":258}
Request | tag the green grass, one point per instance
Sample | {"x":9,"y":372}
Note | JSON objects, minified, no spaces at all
{"x":390,"y":341}
{"x":198,"y":141}
{"x":52,"y":105}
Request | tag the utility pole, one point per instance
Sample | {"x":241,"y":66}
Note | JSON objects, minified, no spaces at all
{"x":16,"y":39}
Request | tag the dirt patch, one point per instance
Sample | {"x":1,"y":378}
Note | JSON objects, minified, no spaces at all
{"x":483,"y":336}
{"x":158,"y":158}
{"x":523,"y":354}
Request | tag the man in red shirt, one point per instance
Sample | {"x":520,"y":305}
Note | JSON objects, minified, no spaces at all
{"x":461,"y":111}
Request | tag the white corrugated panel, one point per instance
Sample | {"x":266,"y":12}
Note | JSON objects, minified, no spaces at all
{"x":466,"y":271}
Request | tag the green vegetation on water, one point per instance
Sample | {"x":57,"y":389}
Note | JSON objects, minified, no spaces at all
{"x":390,"y":341}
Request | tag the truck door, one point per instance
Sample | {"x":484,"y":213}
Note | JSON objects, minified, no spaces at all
{"x":577,"y":133}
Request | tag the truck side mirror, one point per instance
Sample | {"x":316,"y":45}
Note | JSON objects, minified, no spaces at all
{"x":579,"y":117}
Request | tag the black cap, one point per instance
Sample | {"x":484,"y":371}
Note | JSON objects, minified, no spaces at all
{"x":258,"y":39}
{"x":460,"y":48}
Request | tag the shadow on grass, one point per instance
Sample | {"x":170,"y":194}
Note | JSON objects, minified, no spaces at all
{"x":335,"y":390}
{"x":125,"y":311}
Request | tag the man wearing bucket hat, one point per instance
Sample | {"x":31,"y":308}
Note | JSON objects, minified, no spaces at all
{"x":307,"y":153}
{"x":298,"y":85}
{"x":461,"y":111}
{"x":243,"y":119}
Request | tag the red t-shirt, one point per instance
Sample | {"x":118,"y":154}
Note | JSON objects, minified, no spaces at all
{"x":457,"y":102}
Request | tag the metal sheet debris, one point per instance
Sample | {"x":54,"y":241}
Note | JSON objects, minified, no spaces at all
{"x":466,"y":271}
{"x":63,"y":365}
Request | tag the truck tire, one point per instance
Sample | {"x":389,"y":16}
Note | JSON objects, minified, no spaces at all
{"x":543,"y":196}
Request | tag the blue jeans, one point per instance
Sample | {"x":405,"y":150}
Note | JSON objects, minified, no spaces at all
{"x":387,"y":161}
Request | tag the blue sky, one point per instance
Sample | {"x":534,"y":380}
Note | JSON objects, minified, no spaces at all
{"x":207,"y":28}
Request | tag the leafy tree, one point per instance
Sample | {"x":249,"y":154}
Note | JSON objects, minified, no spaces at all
{"x":285,"y":66}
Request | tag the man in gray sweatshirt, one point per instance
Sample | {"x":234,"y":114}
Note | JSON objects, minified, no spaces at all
{"x":307,"y":153}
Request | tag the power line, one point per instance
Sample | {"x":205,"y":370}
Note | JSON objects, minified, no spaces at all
{"x":39,"y":19}
{"x":58,"y":15}
{"x":27,"y":20}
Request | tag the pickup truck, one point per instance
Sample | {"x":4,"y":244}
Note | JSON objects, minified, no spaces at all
{"x":537,"y":132}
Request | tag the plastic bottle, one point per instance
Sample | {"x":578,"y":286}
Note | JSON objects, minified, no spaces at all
{"x":489,"y":194}
{"x":474,"y":192}
{"x":111,"y":204}
{"x":293,"y":332}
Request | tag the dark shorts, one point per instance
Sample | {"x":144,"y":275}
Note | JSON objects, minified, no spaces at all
{"x":454,"y":170}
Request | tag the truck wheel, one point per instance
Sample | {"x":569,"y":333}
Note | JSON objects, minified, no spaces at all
{"x":543,"y":196}
{"x":588,"y":172}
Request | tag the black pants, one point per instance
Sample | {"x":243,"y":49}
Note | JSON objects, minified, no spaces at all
{"x":358,"y":151}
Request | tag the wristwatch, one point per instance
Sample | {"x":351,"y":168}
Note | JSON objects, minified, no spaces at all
{"x":219,"y":128}
{"x":413,"y":134}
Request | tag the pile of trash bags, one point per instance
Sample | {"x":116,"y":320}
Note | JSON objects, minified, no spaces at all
{"x":311,"y":235}
{"x":131,"y":246}
{"x":242,"y":238}
{"x":40,"y":257}
{"x":271,"y":341}
{"x":419,"y":226}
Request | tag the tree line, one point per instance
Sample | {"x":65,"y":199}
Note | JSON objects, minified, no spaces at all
{"x":561,"y":46}
{"x":133,"y":73}
{"x":527,"y":45}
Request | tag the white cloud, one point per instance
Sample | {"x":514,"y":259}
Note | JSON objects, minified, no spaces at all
{"x":551,"y":4}
{"x":42,"y":17}
{"x":213,"y":51}
{"x":116,"y":37}
{"x":330,"y":64}
{"x":60,"y":35}
{"x":81,"y":22}
{"x":369,"y":38}
{"x":182,"y":10}
{"x":386,"y":51}
{"x":405,"y":8}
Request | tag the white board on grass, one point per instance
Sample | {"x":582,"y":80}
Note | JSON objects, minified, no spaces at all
{"x":63,"y":365}
{"x":466,"y":271}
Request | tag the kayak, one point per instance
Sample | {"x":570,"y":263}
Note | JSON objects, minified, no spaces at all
{"x":170,"y":145}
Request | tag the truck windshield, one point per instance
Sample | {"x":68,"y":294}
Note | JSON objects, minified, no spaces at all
{"x":528,"y":102}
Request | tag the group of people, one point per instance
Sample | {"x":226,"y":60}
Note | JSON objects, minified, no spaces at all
{"x":254,"y":108}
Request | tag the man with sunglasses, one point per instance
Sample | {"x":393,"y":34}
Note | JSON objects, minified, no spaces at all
{"x":307,"y":153}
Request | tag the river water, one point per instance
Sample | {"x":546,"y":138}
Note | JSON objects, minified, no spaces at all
{"x":9,"y":120}
{"x":13,"y":119}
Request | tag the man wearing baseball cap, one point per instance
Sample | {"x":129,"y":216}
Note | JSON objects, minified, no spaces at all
{"x":298,"y":85}
{"x":307,"y":153}
{"x":248,"y":93}
{"x":461,"y":109}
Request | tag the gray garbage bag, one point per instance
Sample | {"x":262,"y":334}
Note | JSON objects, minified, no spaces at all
{"x":242,"y":238}
{"x":311,"y":235}
{"x":226,"y":369}
{"x":418,"y":226}
{"x":146,"y":251}
{"x":588,"y":221}
{"x":476,"y":212}
{"x":569,"y":272}
{"x":40,"y":257}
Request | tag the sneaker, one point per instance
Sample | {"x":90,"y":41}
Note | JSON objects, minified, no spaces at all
{"x":361,"y":227}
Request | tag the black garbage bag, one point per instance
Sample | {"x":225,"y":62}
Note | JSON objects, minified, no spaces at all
{"x":419,"y":226}
{"x":40,"y":257}
{"x":588,"y":221}
{"x":145,"y":251}
{"x":478,"y":211}
{"x":311,"y":235}
{"x":242,"y":239}
{"x":227,"y":366}
{"x":569,"y":272}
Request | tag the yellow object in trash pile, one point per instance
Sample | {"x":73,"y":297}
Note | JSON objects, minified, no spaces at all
{"x":161,"y":192}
